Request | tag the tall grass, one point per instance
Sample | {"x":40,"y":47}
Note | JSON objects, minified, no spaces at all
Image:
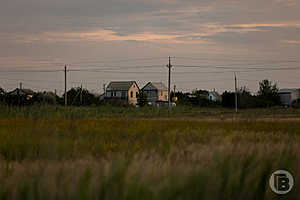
{"x":56,"y":155}
{"x":54,"y":112}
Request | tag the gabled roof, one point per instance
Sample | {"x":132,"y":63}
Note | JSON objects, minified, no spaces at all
{"x":120,"y":85}
{"x":18,"y":91}
{"x":155,"y":86}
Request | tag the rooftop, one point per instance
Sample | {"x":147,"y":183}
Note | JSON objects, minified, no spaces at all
{"x":120,"y":85}
{"x":156,"y":85}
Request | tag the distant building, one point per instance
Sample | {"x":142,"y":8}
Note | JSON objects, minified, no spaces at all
{"x":214,"y":96}
{"x":122,"y":90}
{"x":156,"y":91}
{"x":288,"y":96}
{"x":28,"y":93}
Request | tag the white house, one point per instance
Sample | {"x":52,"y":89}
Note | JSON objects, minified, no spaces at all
{"x":214,"y":96}
{"x":122,"y":90}
{"x":156,"y":91}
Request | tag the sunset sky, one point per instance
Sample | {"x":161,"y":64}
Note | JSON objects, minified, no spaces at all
{"x":208,"y":41}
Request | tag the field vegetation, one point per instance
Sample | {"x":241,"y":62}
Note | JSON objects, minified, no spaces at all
{"x":145,"y":153}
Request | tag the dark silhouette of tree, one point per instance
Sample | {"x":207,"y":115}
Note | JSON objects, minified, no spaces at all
{"x":142,"y":99}
{"x":228,"y":99}
{"x":268,"y":94}
{"x":2,"y":96}
{"x":87,"y":97}
{"x":44,"y":98}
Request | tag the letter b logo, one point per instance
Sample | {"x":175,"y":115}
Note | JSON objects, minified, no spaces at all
{"x":281,"y":182}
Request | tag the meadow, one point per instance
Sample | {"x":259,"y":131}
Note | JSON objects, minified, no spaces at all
{"x":146,"y":153}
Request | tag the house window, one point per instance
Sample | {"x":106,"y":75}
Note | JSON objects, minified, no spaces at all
{"x":123,"y":94}
{"x":131,"y":94}
{"x":114,"y":93}
{"x":161,"y":93}
{"x":136,"y":94}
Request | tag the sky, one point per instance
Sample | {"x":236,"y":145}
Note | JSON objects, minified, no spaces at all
{"x":110,"y":40}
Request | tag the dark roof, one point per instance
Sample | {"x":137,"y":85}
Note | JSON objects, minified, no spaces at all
{"x":18,"y":91}
{"x":120,"y":85}
{"x":156,"y":85}
{"x":287,"y":90}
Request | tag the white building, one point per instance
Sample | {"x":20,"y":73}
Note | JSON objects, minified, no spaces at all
{"x":214,"y":96}
{"x":288,"y":96}
{"x":122,"y":90}
{"x":156,"y":92}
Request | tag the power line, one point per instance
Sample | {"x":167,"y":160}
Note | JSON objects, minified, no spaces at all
{"x":238,"y":60}
{"x":118,"y":61}
{"x":24,"y":71}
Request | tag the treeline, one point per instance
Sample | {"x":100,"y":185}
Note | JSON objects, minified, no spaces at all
{"x":76,"y":97}
{"x":267,"y":96}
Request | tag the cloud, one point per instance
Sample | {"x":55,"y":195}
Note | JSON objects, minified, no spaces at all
{"x":295,"y":42}
{"x":263,"y":25}
{"x":287,"y":2}
{"x":92,"y":36}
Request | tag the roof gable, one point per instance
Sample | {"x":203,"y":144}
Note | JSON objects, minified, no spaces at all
{"x":155,"y":86}
{"x":18,"y":91}
{"x":121,"y":85}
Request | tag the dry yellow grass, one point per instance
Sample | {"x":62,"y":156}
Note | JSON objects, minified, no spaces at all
{"x":141,"y":158}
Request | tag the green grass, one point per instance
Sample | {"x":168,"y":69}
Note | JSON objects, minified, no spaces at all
{"x":54,"y":112}
{"x":86,"y":153}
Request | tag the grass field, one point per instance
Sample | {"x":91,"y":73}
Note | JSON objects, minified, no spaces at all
{"x":146,"y":153}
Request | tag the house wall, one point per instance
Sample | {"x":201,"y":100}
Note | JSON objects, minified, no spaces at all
{"x":151,"y":95}
{"x":287,"y":98}
{"x":211,"y":97}
{"x":117,"y":93}
{"x":163,"y":95}
{"x":132,"y":94}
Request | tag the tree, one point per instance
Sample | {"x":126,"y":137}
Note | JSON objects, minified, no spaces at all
{"x":228,"y":99}
{"x":87,"y":97}
{"x":267,"y":88}
{"x":44,"y":98}
{"x":245,"y":98}
{"x":2,"y":96}
{"x":268,"y":93}
{"x":142,"y":99}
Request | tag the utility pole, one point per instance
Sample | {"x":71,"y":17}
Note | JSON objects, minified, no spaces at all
{"x":55,"y":93}
{"x":81,"y":94}
{"x":174,"y":89}
{"x":169,"y":82}
{"x":236,"y":99}
{"x":104,"y":89}
{"x":66,"y":96}
{"x":19,"y":93}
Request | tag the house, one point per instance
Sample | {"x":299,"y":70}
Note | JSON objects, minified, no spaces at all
{"x":288,"y":96}
{"x":122,"y":90}
{"x":214,"y":96}
{"x":28,"y":93}
{"x":156,"y":91}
